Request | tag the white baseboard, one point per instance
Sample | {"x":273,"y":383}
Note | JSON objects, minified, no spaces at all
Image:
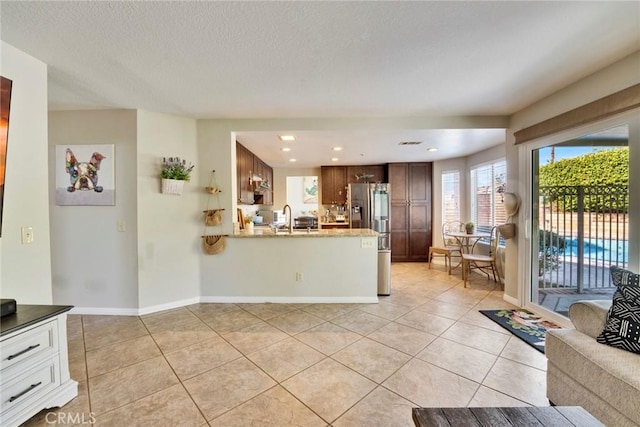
{"x":111,"y":311}
{"x":511,"y":300}
{"x":292,"y":300}
{"x":104,"y":311}
{"x":168,"y":306}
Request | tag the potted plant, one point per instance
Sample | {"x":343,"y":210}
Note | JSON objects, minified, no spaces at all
{"x":469,"y":227}
{"x":174,"y":173}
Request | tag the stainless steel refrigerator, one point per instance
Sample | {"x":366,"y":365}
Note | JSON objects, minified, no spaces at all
{"x":369,"y":207}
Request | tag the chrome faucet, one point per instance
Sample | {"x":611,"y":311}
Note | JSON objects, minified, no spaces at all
{"x":284,"y":212}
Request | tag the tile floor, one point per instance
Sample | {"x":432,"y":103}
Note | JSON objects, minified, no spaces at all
{"x":301,"y":364}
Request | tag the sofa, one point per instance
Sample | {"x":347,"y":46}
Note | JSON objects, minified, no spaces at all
{"x":582,"y":372}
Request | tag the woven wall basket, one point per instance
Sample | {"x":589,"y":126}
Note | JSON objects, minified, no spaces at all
{"x":508,"y":231}
{"x":213,"y":217}
{"x":213,"y":244}
{"x":172,"y":186}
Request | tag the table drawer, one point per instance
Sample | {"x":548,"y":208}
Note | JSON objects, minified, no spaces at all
{"x":34,"y":344}
{"x":25,"y":388}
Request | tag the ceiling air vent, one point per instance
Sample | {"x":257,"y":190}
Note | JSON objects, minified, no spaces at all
{"x":410,"y":143}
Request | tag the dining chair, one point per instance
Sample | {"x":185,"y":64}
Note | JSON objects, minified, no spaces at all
{"x":450,"y":247}
{"x":485,"y":263}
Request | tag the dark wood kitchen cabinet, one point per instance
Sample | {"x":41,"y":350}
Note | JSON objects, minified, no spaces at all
{"x":334,"y":185}
{"x":411,"y":208}
{"x":378,"y":172}
{"x":248,"y":165}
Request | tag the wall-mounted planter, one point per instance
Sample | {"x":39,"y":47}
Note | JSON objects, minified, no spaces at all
{"x":172,"y":186}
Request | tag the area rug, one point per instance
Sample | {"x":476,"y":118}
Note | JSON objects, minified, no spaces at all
{"x":527,"y":326}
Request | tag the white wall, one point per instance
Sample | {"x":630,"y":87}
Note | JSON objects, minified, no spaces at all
{"x":25,"y":270}
{"x":169,"y":226}
{"x":280,"y":176}
{"x":614,"y":78}
{"x":295,"y":196}
{"x":93,"y":264}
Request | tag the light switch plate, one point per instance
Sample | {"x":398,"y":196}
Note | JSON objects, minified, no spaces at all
{"x":27,"y":235}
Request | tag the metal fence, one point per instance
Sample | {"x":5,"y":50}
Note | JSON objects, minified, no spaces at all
{"x":583,"y":230}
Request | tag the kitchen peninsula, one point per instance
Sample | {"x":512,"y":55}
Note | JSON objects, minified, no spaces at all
{"x":318,"y":266}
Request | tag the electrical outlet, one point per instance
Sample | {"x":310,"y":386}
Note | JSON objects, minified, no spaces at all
{"x":368,"y":242}
{"x":27,"y":235}
{"x":122,"y":226}
{"x":299,"y":277}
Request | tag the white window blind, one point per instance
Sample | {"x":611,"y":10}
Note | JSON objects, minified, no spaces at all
{"x":487,"y":186}
{"x":450,"y":196}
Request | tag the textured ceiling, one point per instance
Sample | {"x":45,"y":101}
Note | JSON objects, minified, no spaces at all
{"x":318,"y":59}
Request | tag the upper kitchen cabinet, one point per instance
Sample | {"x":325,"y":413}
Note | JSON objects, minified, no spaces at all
{"x":334,"y":185}
{"x":249,"y":166}
{"x":377,"y":173}
{"x":411,"y":208}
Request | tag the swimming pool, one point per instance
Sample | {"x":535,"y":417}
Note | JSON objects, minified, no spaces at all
{"x":611,"y":251}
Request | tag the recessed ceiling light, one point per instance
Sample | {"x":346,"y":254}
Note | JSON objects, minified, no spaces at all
{"x":287,"y":137}
{"x":337,"y":148}
{"x":432,"y":149}
{"x":334,"y":159}
{"x":286,"y":149}
{"x":292,"y":160}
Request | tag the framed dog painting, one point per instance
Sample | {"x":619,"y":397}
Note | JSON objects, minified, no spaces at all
{"x":85,"y":175}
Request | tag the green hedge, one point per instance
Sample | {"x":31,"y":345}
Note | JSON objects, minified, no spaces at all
{"x":601,"y":168}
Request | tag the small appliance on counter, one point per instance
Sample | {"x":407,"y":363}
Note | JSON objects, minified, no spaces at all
{"x":7,"y":307}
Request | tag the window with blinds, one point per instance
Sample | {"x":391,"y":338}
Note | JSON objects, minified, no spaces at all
{"x":487,"y":187}
{"x":450,"y":196}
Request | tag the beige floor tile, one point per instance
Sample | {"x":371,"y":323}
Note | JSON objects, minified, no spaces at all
{"x":223,"y":388}
{"x":488,"y":398}
{"x":461,"y":296}
{"x":329,"y":311}
{"x":329,"y":388}
{"x":477,"y":337}
{"x":459,"y":359}
{"x":380,"y":408}
{"x":169,"y":341}
{"x":255,"y":337}
{"x":169,"y":407}
{"x":295,"y":322}
{"x":179,"y":319}
{"x":275,"y":407}
{"x":360,"y":322}
{"x":386,"y":310}
{"x":520,"y":381}
{"x":444,"y":309}
{"x":426,"y":322}
{"x":427,"y":385}
{"x":328,"y":338}
{"x":267,"y":310}
{"x":285,"y":358}
{"x":75,"y":347}
{"x":102,"y":333}
{"x":78,"y":369}
{"x":212,"y":309}
{"x":123,"y":386}
{"x":201,"y":357}
{"x":230,"y":321}
{"x":371,"y":359}
{"x":519,"y":351}
{"x":74,"y":326}
{"x":404,"y":338}
{"x":93,"y":322}
{"x":119,"y":355}
{"x":407,"y":299}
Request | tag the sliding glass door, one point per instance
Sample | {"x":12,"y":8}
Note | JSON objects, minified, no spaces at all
{"x":579,"y":217}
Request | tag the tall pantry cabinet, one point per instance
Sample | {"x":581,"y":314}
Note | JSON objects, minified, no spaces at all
{"x":411,"y":233}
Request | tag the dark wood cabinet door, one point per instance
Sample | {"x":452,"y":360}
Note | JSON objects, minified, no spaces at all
{"x":334,"y":185}
{"x":268,"y":194}
{"x":244,"y":168}
{"x":378,"y":172}
{"x":410,"y":211}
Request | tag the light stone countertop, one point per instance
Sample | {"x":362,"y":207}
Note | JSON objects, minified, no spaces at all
{"x":332,"y":232}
